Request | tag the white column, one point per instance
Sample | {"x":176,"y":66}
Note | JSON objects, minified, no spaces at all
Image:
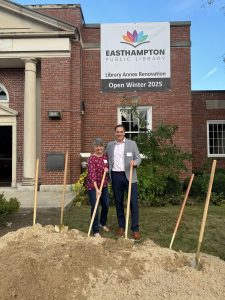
{"x":29,"y":122}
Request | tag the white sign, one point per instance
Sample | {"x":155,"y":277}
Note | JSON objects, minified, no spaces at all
{"x":135,"y":57}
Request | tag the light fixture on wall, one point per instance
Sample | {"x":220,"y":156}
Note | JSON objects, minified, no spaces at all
{"x":55,"y":114}
{"x":82,"y":107}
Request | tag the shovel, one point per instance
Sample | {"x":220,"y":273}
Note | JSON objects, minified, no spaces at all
{"x":61,"y":227}
{"x":181,"y":210}
{"x":35,"y":192}
{"x":128,"y":201}
{"x":196,"y":262}
{"x":96,"y":203}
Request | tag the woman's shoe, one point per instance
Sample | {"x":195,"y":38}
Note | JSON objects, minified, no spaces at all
{"x":97,"y":235}
{"x":105,"y":228}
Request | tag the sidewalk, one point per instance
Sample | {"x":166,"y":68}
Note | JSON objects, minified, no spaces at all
{"x":45,"y":200}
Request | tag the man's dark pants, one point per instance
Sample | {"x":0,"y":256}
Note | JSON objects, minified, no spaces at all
{"x":120,"y":185}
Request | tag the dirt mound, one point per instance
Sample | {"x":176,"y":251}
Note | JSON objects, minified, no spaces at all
{"x":38,"y":263}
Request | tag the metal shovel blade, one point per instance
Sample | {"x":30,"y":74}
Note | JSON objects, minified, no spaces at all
{"x":61,"y":228}
{"x":196,"y":264}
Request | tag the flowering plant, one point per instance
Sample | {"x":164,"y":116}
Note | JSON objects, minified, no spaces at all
{"x":80,"y":189}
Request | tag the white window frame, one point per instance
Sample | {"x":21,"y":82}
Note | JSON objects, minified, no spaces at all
{"x":149,"y":116}
{"x":208,"y":150}
{"x":7,"y":95}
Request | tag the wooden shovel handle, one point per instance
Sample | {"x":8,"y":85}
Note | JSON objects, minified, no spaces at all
{"x":181,"y":210}
{"x":64,"y":189}
{"x":35,"y":192}
{"x":96,"y":203}
{"x":128,"y":201}
{"x":205,"y":212}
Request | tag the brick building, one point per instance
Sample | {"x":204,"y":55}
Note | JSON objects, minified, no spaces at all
{"x":51,"y":100}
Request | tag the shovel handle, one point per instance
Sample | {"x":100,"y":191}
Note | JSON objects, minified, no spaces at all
{"x":205,"y":213}
{"x":64,"y":189}
{"x":35,"y":191}
{"x":96,"y":203}
{"x":128,"y":201}
{"x":181,"y":210}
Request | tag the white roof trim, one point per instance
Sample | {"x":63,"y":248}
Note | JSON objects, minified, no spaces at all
{"x":6,"y":111}
{"x":22,"y":10}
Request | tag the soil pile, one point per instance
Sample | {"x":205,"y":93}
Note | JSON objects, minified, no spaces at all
{"x":39,"y":263}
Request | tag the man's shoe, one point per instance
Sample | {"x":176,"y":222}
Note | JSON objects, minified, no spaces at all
{"x":120,"y":232}
{"x":136,"y":235}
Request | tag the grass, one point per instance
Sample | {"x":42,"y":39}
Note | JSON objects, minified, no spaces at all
{"x":157,"y":224}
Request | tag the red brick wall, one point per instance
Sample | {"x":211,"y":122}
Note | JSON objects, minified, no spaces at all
{"x":55,"y":95}
{"x":13,"y":80}
{"x":200,"y":116}
{"x":71,"y":15}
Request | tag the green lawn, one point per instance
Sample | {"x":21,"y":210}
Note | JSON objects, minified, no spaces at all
{"x":157,"y":224}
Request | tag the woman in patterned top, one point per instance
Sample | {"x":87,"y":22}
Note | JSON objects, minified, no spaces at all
{"x":97,"y":163}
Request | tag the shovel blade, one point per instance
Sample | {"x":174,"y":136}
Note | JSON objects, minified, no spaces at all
{"x":61,"y":228}
{"x":196,"y":264}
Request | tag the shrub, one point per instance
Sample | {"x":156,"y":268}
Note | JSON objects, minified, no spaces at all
{"x":7,"y":207}
{"x":80,"y":189}
{"x":219,"y":183}
{"x":157,"y":190}
{"x":217,"y":199}
{"x":200,"y":184}
{"x":163,"y":161}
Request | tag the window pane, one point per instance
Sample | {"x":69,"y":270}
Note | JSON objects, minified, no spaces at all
{"x":127,"y":135}
{"x":3,"y":95}
{"x":134,"y":126}
{"x":125,"y":116}
{"x":126,"y":126}
{"x":211,"y":142}
{"x":133,"y":135}
{"x":143,"y":116}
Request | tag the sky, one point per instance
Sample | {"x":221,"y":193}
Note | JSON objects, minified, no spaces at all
{"x":207,"y":28}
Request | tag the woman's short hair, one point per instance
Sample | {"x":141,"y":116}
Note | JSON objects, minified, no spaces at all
{"x":98,"y":142}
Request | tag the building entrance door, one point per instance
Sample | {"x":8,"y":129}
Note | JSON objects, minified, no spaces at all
{"x":5,"y":155}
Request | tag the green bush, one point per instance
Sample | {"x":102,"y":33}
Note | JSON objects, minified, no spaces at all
{"x":173,"y":186}
{"x":200,"y":184}
{"x":157,"y":190}
{"x":219,"y":183}
{"x":7,"y":207}
{"x":163,"y":162}
{"x":80,"y":190}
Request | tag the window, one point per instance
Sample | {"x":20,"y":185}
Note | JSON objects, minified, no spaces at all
{"x":135,"y":123}
{"x":3,"y":94}
{"x":216,"y":138}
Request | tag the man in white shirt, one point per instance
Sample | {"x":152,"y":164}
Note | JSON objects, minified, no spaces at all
{"x":122,"y":154}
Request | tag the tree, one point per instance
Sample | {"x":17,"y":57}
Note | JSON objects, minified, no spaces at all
{"x":222,"y":8}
